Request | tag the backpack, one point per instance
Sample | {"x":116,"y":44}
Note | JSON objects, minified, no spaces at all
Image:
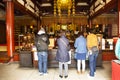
{"x":42,"y":44}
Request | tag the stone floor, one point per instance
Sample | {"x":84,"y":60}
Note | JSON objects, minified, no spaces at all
{"x":13,"y":71}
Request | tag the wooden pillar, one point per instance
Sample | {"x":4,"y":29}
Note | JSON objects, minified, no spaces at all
{"x":10,"y":27}
{"x":90,"y":23}
{"x":38,"y":23}
{"x":118,"y":17}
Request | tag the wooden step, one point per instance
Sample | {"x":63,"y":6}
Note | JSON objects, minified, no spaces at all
{"x":3,"y":57}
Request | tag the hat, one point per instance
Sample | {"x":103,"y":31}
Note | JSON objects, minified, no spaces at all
{"x":41,"y":31}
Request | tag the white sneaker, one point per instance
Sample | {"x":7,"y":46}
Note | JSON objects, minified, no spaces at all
{"x":90,"y":77}
{"x":95,"y":73}
{"x":45,"y":73}
{"x":41,"y":73}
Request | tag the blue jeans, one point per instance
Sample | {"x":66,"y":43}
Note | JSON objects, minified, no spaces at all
{"x":92,"y":63}
{"x":42,"y":61}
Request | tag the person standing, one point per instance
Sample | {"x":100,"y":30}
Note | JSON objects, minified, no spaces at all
{"x":92,"y":45}
{"x":80,"y":51}
{"x":62,"y":55}
{"x":117,"y":48}
{"x":42,"y":43}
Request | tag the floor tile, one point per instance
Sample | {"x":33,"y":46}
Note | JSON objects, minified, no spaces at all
{"x":13,"y":71}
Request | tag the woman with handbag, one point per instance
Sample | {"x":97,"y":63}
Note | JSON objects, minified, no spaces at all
{"x":62,"y":55}
{"x":80,"y":52}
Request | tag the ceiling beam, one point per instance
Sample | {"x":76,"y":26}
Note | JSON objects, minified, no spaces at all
{"x":2,"y":6}
{"x":22,"y":9}
{"x":93,"y":2}
{"x":38,"y":6}
{"x":111,"y":5}
{"x":35,"y":3}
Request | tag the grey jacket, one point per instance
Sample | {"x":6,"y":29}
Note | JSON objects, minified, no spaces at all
{"x":62,"y":54}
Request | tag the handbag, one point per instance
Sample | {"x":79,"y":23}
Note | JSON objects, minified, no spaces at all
{"x":68,"y":47}
{"x":94,"y":49}
{"x":69,"y":62}
{"x":75,"y":55}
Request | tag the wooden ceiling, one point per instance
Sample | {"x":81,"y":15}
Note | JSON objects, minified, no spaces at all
{"x":81,"y":7}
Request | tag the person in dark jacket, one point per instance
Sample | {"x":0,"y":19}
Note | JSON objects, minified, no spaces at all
{"x":42,"y":43}
{"x":62,"y":55}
